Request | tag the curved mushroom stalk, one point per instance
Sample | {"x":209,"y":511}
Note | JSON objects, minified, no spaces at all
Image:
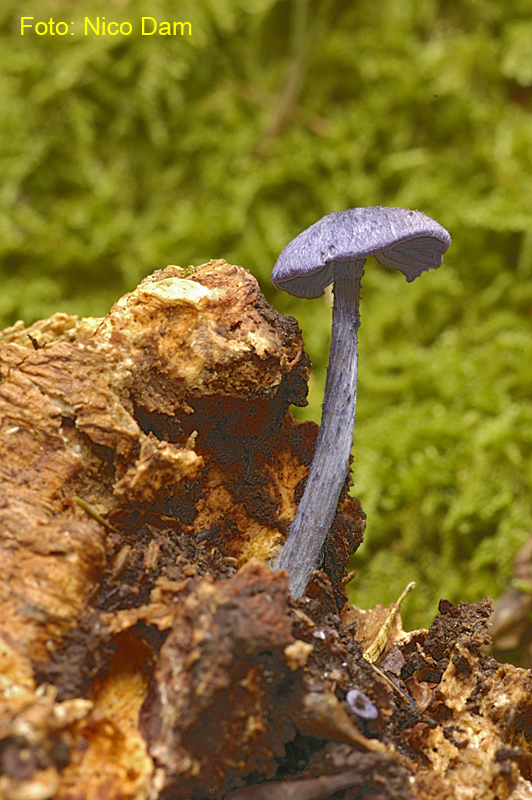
{"x":314,"y":516}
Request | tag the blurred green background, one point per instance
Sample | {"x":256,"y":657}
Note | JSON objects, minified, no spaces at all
{"x":121,"y":154}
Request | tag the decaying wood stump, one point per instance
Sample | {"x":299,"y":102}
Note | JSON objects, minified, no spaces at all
{"x":149,"y":471}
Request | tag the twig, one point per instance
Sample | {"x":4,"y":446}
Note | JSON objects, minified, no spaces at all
{"x":376,"y":648}
{"x":94,"y":514}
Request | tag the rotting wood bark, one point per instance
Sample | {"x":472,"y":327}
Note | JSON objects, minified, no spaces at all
{"x":157,"y":656}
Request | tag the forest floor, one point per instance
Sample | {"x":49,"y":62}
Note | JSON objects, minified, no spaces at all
{"x":149,"y":471}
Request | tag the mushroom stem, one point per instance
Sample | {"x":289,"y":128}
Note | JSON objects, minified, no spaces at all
{"x":316,"y":511}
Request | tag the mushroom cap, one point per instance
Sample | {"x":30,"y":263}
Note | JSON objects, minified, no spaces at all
{"x":397,"y":237}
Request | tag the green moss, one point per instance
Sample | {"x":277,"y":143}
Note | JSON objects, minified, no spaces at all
{"x":119,"y":155}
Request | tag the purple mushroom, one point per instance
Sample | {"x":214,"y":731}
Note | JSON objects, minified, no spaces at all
{"x":361,"y":704}
{"x":334,"y":250}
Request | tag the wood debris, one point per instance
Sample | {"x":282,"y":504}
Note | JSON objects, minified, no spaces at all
{"x":150,"y":468}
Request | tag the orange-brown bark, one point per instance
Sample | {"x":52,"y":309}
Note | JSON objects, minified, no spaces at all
{"x":149,"y":470}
